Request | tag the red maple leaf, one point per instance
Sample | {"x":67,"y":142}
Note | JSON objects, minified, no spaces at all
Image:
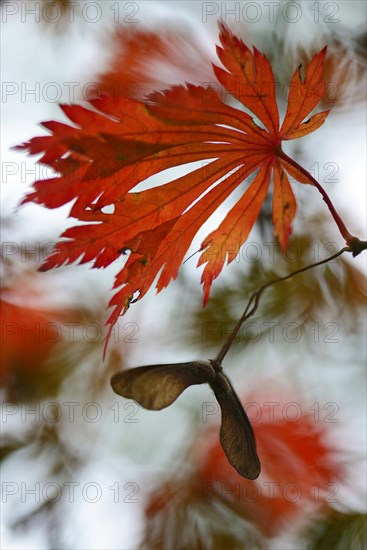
{"x":123,"y":141}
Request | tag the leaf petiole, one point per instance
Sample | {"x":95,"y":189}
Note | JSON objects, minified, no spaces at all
{"x":350,"y":239}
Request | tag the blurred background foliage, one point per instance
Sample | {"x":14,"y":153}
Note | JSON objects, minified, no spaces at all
{"x":339,"y":530}
{"x":307,"y":300}
{"x":190,"y":498}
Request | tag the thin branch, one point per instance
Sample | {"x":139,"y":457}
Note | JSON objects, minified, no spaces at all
{"x":254,"y":300}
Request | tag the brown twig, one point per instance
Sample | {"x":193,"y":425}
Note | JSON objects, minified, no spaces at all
{"x":254,"y":300}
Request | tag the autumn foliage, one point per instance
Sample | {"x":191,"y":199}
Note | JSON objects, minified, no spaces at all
{"x":300,"y":479}
{"x":143,"y":57}
{"x":30,"y":334}
{"x":119,"y":142}
{"x":300,"y":469}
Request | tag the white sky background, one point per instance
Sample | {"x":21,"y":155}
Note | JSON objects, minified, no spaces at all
{"x":33,"y":53}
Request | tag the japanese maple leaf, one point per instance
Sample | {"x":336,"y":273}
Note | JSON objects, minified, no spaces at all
{"x":122,"y":142}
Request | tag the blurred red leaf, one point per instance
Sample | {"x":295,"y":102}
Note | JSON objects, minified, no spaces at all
{"x":299,"y":467}
{"x":177,"y":516}
{"x":28,"y":335}
{"x":147,"y":60}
